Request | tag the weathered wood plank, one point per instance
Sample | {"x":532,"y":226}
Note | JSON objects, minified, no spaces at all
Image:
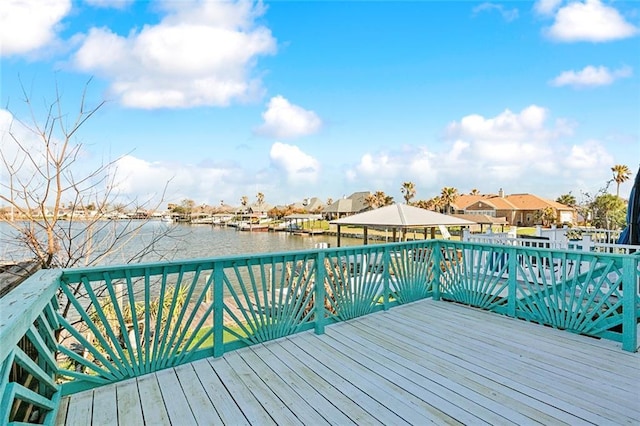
{"x":247,"y":402}
{"x":411,"y":401}
{"x":12,"y":275}
{"x":61,"y":415}
{"x":105,"y":407}
{"x":154,"y":408}
{"x":347,"y":381}
{"x":201,"y":406}
{"x":298,"y":405}
{"x":276,"y":409}
{"x":456,"y":377}
{"x":175,"y":401}
{"x":514,"y":367}
{"x":223,"y":401}
{"x":129,"y":406}
{"x":80,"y":408}
{"x":541,"y":359}
{"x":568,"y":346}
{"x":434,"y":387}
{"x":333,"y":405}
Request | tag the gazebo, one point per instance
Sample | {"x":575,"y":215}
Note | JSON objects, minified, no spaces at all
{"x":399,"y":217}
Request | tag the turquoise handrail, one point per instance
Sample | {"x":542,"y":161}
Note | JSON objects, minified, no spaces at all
{"x":28,"y":322}
{"x":123,"y":321}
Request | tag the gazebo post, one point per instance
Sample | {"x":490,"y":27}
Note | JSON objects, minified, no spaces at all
{"x":338,"y":236}
{"x":366,"y":235}
{"x":393,"y":238}
{"x":433,"y":232}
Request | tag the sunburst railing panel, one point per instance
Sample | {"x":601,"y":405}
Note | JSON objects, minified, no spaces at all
{"x":269,"y":297}
{"x":124,"y":322}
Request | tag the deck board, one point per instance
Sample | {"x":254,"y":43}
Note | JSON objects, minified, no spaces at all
{"x":105,"y":407}
{"x":426,"y":362}
{"x":153,"y":407}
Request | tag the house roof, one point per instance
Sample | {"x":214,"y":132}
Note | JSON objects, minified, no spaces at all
{"x":314,"y":204}
{"x":402,"y":216}
{"x":483,"y":219}
{"x":508,"y":202}
{"x":533,"y":202}
{"x":497,"y":203}
{"x":309,"y":204}
{"x":354,"y":203}
{"x":465,"y":200}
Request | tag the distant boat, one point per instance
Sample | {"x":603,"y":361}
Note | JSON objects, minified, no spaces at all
{"x":254,"y":227}
{"x":203,"y":221}
{"x":167,"y":219}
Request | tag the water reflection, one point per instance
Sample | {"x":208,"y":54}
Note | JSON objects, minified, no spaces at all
{"x":187,"y":242}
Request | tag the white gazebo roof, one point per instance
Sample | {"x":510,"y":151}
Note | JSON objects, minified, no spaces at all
{"x":402,"y":216}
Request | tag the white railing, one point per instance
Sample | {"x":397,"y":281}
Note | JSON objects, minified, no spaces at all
{"x":556,"y":239}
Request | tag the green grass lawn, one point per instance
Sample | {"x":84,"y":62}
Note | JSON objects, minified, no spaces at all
{"x":226,"y":336}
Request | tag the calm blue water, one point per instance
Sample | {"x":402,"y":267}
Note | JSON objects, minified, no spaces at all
{"x":187,"y":242}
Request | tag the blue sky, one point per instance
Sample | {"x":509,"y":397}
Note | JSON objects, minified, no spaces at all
{"x":300,"y":99}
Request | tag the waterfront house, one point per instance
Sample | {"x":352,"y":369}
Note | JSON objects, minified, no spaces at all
{"x":517,"y":209}
{"x":346,"y":206}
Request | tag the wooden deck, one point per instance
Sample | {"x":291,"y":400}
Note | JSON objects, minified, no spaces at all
{"x":427,"y":362}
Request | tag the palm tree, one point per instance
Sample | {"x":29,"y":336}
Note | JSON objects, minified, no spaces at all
{"x":408,"y":190}
{"x":435,"y":204}
{"x":244,"y":200}
{"x":474,"y":191}
{"x":370,"y":200}
{"x":260,"y":200}
{"x":449,"y":195}
{"x":383,"y":199}
{"x":567,"y":199}
{"x":329,"y":201}
{"x":378,"y":199}
{"x":621,"y":173}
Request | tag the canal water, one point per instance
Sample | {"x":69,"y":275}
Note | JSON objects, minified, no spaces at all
{"x":183,"y":241}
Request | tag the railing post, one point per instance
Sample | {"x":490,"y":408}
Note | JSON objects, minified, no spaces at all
{"x":218,"y":309}
{"x":319,"y":295}
{"x":629,"y":317}
{"x":437,"y":260}
{"x":386,"y":260}
{"x":513,"y":282}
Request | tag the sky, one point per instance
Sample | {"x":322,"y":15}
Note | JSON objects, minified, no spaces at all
{"x":211,"y":101}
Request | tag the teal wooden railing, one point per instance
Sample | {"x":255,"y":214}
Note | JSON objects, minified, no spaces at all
{"x":87,"y":327}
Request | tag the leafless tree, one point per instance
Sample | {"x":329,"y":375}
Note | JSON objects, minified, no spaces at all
{"x":59,"y":214}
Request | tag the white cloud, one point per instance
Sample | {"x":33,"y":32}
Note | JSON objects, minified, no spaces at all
{"x":508,"y":127}
{"x":486,"y":152}
{"x":589,"y":21}
{"x":299,"y":167}
{"x":590,"y":76}
{"x":588,"y":157}
{"x":508,"y":15}
{"x":285,"y":120}
{"x":29,"y":25}
{"x":144,"y":180}
{"x":383,"y":170}
{"x":521,"y":152}
{"x":546,"y":7}
{"x":201,"y":53}
{"x":115,"y":4}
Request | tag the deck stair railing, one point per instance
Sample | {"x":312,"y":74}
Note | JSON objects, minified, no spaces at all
{"x":88,"y":327}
